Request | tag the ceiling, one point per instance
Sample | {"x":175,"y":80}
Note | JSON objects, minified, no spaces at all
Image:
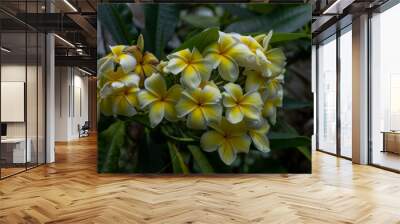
{"x":74,"y":22}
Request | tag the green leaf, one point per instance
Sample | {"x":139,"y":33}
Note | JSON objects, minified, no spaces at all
{"x":285,"y":18}
{"x":167,"y":133}
{"x":110,"y":143}
{"x":295,"y":104}
{"x":178,"y":164}
{"x":286,"y":140}
{"x":200,"y":159}
{"x":262,"y":8}
{"x":160,"y":23}
{"x":238,"y":10}
{"x":117,"y":20}
{"x":306,"y":151}
{"x":282,"y":37}
{"x":201,"y":40}
{"x":201,"y":21}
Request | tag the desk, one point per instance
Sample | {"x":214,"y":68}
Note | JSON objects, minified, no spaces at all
{"x":16,"y":147}
{"x":391,"y":141}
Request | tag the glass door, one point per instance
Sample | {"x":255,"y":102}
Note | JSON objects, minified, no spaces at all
{"x":346,"y":92}
{"x":385,"y":89}
{"x":327,"y":96}
{"x":22,"y":90}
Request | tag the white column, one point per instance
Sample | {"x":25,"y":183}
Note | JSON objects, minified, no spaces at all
{"x":360,"y":90}
{"x":50,"y":100}
{"x":314,"y":91}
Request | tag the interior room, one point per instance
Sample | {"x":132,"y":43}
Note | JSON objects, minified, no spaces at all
{"x":385,"y":87}
{"x":22,"y":98}
{"x":50,"y":134}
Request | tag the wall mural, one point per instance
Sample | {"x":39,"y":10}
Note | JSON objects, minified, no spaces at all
{"x":204,"y":88}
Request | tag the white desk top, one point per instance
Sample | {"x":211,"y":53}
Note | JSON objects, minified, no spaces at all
{"x":13,"y":140}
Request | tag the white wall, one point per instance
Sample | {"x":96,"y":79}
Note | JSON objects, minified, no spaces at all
{"x":71,"y":94}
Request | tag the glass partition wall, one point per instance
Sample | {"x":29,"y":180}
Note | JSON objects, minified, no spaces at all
{"x":22,"y":77}
{"x":385,"y":89}
{"x":334,"y":93}
{"x":326,"y":59}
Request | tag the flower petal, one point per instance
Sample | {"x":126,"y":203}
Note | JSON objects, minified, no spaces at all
{"x":191,"y":77}
{"x":156,"y":85}
{"x":184,"y":55}
{"x":241,"y":143}
{"x":175,"y":66}
{"x":173,"y":94}
{"x":234,"y":115}
{"x":196,"y":56}
{"x":228,"y":69}
{"x":260,"y":141}
{"x":106,"y":105}
{"x":267,"y":39}
{"x":146,"y":97}
{"x":210,"y":95}
{"x":127,"y":62}
{"x":170,"y":111}
{"x":148,"y":69}
{"x":123,"y":107}
{"x":254,"y":80}
{"x":204,"y":67}
{"x":229,"y":101}
{"x":214,"y":59}
{"x":211,"y":140}
{"x":156,"y":113}
{"x":251,"y":112}
{"x":117,"y":50}
{"x":234,"y":90}
{"x":184,"y":106}
{"x":196,"y":120}
{"x":227,"y":153}
{"x":212,"y":113}
{"x":226,"y":42}
{"x":252,"y":99}
{"x":149,"y":58}
{"x":105,"y":64}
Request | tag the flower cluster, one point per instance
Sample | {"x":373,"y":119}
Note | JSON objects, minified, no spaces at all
{"x":230,"y":91}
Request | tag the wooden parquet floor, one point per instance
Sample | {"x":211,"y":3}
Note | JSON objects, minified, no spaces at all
{"x":70,"y":191}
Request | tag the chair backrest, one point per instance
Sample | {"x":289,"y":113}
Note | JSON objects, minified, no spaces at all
{"x":86,"y":125}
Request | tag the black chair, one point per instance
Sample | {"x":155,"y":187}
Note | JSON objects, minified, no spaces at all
{"x":84,"y":130}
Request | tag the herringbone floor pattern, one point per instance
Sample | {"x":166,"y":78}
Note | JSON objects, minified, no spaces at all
{"x":70,"y":191}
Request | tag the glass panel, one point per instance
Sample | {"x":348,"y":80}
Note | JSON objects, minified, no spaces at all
{"x":31,"y":99}
{"x":327,"y":96}
{"x":41,"y":99}
{"x":346,"y":94}
{"x":385,"y":84}
{"x":13,"y":86}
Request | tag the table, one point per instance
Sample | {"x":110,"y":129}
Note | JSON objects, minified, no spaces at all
{"x":16,"y":146}
{"x":391,"y":141}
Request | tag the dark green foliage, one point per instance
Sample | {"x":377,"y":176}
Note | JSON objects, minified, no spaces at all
{"x":201,"y":40}
{"x":130,"y":145}
{"x":117,"y":20}
{"x":281,"y":19}
{"x":160,"y":24}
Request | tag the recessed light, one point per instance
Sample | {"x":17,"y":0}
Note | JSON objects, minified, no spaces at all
{"x":70,"y":5}
{"x":64,"y":40}
{"x":5,"y":50}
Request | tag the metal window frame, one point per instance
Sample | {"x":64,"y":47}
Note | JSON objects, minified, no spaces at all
{"x":339,"y":32}
{"x":44,"y":75}
{"x":381,"y":9}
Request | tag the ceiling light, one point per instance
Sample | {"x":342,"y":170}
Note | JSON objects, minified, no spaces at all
{"x":65,"y":41}
{"x":5,"y":50}
{"x":70,"y":5}
{"x":84,"y":71}
{"x":329,"y":9}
